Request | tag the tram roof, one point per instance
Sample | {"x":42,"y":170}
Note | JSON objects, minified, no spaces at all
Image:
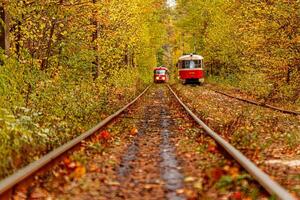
{"x":161,"y":68}
{"x":191,"y":57}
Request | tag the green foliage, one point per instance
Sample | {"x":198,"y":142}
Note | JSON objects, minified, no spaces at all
{"x":224,"y":182}
{"x":18,"y":133}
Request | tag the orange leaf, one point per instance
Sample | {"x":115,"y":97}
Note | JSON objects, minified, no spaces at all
{"x":134,"y":131}
{"x":105,"y":135}
{"x":79,"y":171}
{"x":233,"y":171}
{"x":66,"y":161}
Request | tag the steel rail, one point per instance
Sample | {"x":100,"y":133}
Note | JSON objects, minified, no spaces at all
{"x":32,"y":168}
{"x":257,"y":103}
{"x":261,"y":177}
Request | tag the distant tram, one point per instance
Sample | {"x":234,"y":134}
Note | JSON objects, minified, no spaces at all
{"x":161,"y":75}
{"x":191,"y":68}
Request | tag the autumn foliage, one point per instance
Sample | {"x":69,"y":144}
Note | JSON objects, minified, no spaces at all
{"x":251,"y":45}
{"x":67,"y":63}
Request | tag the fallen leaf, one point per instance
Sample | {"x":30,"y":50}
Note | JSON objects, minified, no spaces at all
{"x":71,"y":165}
{"x":66,"y":161}
{"x":198,"y":185}
{"x":233,"y":171}
{"x":212,"y":148}
{"x":94,"y":168}
{"x":113,"y":183}
{"x":189,"y":179}
{"x":105,"y":135}
{"x":39,"y":193}
{"x":190,"y":194}
{"x":149,"y":186}
{"x":79,"y":171}
{"x":216,"y":173}
{"x":180,"y":191}
{"x":236,"y":196}
{"x":134,"y":131}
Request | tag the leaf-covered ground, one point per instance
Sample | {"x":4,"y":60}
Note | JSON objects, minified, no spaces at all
{"x":153,"y":151}
{"x":269,"y":138}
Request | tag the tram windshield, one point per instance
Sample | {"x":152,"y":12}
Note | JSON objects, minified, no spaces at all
{"x":191,"y":64}
{"x":160,"y":72}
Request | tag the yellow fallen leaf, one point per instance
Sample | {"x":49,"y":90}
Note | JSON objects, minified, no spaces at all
{"x":189,"y":179}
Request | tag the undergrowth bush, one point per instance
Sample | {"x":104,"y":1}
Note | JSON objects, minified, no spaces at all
{"x":256,"y":84}
{"x":41,"y":110}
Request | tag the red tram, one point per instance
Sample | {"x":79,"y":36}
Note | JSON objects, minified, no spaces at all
{"x":191,"y":68}
{"x":161,"y":75}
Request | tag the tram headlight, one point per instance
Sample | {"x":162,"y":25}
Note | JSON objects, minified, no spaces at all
{"x":157,"y":78}
{"x":163,"y":78}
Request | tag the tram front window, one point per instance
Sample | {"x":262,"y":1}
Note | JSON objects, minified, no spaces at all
{"x":191,"y":64}
{"x":160,"y":72}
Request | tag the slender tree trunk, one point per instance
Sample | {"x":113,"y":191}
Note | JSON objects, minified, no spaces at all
{"x":18,"y":39}
{"x":2,"y":29}
{"x":95,"y":46}
{"x":288,"y":75}
{"x":7,"y":28}
{"x":45,"y":60}
{"x":44,"y":64}
{"x":5,"y":44}
{"x":126,"y":56}
{"x":132,"y":60}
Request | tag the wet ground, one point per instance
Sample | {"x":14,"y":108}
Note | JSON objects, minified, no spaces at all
{"x":153,"y":151}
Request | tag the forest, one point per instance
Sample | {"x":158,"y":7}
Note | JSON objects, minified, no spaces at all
{"x":251,"y":45}
{"x":67,"y":64}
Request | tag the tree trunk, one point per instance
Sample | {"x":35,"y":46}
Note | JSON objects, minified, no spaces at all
{"x":45,"y":61}
{"x":95,"y":69}
{"x":44,"y":64}
{"x":18,"y":39}
{"x":6,"y":31}
{"x":133,"y":60}
{"x":126,"y":56}
{"x":2,"y":35}
{"x":288,"y":75}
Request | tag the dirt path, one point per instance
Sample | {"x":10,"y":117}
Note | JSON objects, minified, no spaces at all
{"x":155,"y":152}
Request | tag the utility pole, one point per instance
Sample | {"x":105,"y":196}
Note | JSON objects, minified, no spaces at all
{"x":194,"y":43}
{"x":182,"y":40}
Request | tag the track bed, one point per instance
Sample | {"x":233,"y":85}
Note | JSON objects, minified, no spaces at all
{"x":154,"y":150}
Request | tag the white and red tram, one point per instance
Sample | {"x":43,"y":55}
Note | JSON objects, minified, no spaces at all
{"x":191,"y":68}
{"x":161,"y":75}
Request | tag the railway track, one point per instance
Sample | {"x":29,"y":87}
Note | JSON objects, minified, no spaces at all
{"x":258,"y":103}
{"x":148,"y":163}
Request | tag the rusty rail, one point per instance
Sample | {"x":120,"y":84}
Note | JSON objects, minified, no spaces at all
{"x":258,"y":104}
